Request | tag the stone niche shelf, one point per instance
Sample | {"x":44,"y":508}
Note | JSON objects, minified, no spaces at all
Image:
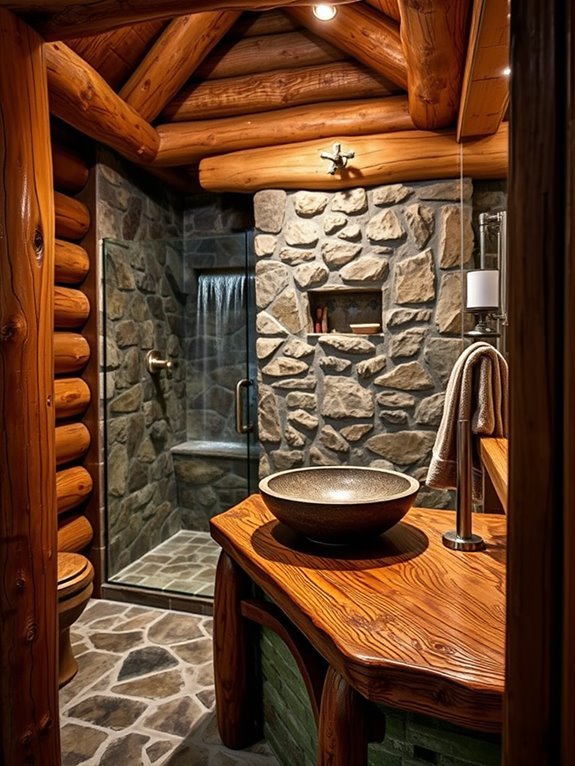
{"x":345,"y":306}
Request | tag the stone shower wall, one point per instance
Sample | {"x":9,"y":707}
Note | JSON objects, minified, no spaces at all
{"x":332,"y":399}
{"x":144,"y":309}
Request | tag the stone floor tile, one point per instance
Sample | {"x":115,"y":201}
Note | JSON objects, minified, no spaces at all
{"x":91,"y":667}
{"x":156,"y":686}
{"x":183,"y":730}
{"x":195,"y":652}
{"x":156,"y":750}
{"x":79,"y":743}
{"x":175,"y":627}
{"x":148,"y":659}
{"x":175,"y":717}
{"x":127,"y":750}
{"x":114,"y":713}
{"x":116,"y":641}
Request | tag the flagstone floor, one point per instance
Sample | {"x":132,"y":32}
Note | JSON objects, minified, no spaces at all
{"x":185,"y":563}
{"x":144,"y":693}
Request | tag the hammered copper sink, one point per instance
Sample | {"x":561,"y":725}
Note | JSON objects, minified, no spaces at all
{"x":339,"y":504}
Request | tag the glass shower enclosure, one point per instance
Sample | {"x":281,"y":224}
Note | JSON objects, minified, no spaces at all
{"x":180,"y":404}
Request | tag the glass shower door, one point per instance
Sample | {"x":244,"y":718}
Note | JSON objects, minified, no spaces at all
{"x":179,"y":448}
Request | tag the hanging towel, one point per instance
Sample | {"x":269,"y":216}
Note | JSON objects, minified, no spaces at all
{"x":477,"y":391}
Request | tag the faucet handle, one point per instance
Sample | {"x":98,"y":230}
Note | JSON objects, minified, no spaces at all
{"x":338,"y":159}
{"x":155,"y":363}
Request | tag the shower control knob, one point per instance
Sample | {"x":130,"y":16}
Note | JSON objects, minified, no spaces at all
{"x":155,"y":363}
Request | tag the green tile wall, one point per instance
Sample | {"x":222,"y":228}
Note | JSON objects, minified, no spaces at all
{"x":411,"y":739}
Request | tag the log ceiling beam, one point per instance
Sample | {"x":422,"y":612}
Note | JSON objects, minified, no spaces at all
{"x":267,"y":52}
{"x":434,"y":39}
{"x":268,"y":23}
{"x":58,"y":19}
{"x":187,"y":142}
{"x":363,"y":33}
{"x":387,"y":7}
{"x":277,"y":90}
{"x":184,"y":43}
{"x":83,"y":99}
{"x":485,"y":92}
{"x":115,"y":54}
{"x":404,"y":156}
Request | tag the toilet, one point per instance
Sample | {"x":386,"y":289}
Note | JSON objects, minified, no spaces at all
{"x":75,"y":575}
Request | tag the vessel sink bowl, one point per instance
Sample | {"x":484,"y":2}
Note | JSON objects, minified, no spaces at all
{"x":339,"y":504}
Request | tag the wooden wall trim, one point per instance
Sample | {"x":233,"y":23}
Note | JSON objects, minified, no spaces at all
{"x":538,"y":219}
{"x":29,"y":731}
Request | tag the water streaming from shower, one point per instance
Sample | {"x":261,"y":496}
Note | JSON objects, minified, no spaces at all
{"x":220,"y":359}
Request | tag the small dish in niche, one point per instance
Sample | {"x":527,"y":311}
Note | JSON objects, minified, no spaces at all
{"x":365,"y":329}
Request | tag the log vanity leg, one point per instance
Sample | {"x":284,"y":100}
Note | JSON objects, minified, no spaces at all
{"x":237,"y":701}
{"x":343,"y":730}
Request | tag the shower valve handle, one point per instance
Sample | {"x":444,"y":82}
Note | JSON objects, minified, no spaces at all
{"x":155,"y":363}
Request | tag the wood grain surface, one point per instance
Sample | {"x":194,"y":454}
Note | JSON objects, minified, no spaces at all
{"x":73,"y":487}
{"x":265,"y":53}
{"x":406,"y":622}
{"x":365,"y":34}
{"x":495,"y":459}
{"x":167,"y":66}
{"x":29,"y":730}
{"x":276,"y":90}
{"x":434,"y":39}
{"x":184,"y":143}
{"x":72,"y":263}
{"x":71,"y":397}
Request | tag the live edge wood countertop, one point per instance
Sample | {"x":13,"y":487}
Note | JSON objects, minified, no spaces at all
{"x":406,"y":621}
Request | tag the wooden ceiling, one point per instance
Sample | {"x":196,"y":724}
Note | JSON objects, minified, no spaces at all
{"x":229,"y":86}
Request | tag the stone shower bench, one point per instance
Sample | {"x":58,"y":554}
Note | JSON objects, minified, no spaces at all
{"x":197,"y":448}
{"x":405,"y":623}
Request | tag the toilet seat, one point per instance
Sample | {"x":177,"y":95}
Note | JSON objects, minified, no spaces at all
{"x":74,"y":573}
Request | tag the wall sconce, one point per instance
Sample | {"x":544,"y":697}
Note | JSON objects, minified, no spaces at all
{"x":483,"y":301}
{"x":324,"y":11}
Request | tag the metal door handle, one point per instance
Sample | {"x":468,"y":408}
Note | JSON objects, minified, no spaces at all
{"x":241,"y":427}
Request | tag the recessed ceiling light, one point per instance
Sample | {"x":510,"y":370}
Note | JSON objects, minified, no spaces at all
{"x":507,"y":71}
{"x":324,"y":12}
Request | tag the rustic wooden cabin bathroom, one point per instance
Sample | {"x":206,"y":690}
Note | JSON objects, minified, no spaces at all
{"x":287,"y":383}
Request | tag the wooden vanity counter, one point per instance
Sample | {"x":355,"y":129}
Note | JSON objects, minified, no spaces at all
{"x":405,"y":622}
{"x":495,"y":459}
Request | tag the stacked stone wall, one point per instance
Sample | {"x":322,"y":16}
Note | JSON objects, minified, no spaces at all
{"x":144,"y":306}
{"x":336,"y":398}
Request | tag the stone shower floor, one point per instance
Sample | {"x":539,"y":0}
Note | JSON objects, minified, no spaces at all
{"x":144,"y":694}
{"x":185,"y":563}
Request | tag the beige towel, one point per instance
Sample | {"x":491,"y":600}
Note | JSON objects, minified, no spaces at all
{"x":477,"y":391}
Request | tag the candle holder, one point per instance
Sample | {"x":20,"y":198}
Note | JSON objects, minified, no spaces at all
{"x":483,"y":301}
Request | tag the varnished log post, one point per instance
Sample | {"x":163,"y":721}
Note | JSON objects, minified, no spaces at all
{"x":239,"y":720}
{"x":343,"y":724}
{"x":29,"y":731}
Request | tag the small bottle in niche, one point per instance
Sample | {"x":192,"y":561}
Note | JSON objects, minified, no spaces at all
{"x":318,"y":320}
{"x":324,"y":327}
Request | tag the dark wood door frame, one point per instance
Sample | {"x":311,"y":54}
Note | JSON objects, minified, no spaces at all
{"x":540,"y":684}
